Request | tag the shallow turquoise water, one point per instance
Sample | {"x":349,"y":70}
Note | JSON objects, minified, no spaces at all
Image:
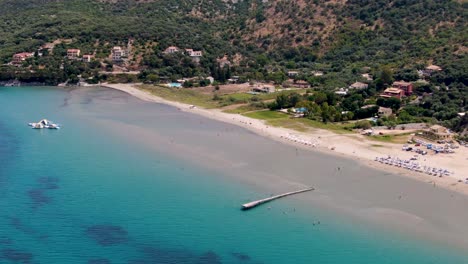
{"x":82,"y":194}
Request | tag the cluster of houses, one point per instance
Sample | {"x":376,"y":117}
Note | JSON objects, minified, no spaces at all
{"x":118,"y":55}
{"x":72,"y":54}
{"x":399,"y":89}
{"x":194,"y":54}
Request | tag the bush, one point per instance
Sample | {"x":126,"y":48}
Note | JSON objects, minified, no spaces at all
{"x":363,"y":124}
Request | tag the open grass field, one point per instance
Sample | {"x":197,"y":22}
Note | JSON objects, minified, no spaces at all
{"x":212,"y":99}
{"x":279,"y":119}
{"x":273,"y":118}
{"x":186,"y":96}
{"x":394,"y":138}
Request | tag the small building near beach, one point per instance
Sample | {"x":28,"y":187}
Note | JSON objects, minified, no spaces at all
{"x":384,"y":111}
{"x":358,"y":86}
{"x":264,"y":88}
{"x":437,"y":132}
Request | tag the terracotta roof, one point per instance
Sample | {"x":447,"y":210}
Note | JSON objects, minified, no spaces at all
{"x":434,"y":68}
{"x":401,"y":83}
{"x":393,"y":90}
{"x":24,"y":54}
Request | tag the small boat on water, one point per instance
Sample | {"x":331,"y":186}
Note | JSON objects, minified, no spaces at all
{"x":44,"y":123}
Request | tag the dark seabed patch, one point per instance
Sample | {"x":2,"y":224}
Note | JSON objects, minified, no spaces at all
{"x":5,"y":241}
{"x":86,"y":101}
{"x":107,"y":235}
{"x":241,"y":256}
{"x":16,"y":256}
{"x":99,"y":261}
{"x":19,"y":225}
{"x":8,"y":147}
{"x":209,"y":258}
{"x":48,"y":183}
{"x":156,"y":255}
{"x":38,"y":195}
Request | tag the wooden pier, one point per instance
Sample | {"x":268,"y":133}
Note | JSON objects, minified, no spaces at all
{"x":253,"y":204}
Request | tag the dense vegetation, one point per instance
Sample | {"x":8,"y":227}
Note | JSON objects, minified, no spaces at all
{"x":389,"y":39}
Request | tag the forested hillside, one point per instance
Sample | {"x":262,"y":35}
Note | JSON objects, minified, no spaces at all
{"x":328,"y":44}
{"x":335,"y":31}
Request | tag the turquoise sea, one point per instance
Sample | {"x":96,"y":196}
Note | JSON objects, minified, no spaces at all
{"x":89,"y":193}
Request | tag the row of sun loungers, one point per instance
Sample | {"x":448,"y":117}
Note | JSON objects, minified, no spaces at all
{"x":413,"y":166}
{"x":296,"y":139}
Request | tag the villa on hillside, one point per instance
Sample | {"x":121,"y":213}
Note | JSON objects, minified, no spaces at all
{"x":358,"y":86}
{"x":302,"y":84}
{"x":194,"y":54}
{"x":118,"y":54}
{"x":393,"y":92}
{"x":341,"y":91}
{"x":317,"y":73}
{"x":398,"y":90}
{"x":73,"y":54}
{"x":18,"y":58}
{"x":429,"y":70}
{"x":171,"y":49}
{"x":292,"y":73}
{"x":407,"y":87}
{"x":87,"y":58}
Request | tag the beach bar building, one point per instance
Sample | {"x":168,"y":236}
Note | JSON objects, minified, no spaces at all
{"x":437,"y":132}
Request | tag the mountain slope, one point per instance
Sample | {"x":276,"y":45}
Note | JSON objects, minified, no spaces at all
{"x":337,"y":34}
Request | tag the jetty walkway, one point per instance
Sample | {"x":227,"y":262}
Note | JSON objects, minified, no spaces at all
{"x":253,"y":204}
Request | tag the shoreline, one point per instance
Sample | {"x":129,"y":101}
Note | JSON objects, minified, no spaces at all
{"x":355,"y":147}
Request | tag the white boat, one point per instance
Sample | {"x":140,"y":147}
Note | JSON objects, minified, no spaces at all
{"x":44,"y":123}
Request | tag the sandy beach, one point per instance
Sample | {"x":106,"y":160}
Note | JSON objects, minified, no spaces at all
{"x":352,"y":146}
